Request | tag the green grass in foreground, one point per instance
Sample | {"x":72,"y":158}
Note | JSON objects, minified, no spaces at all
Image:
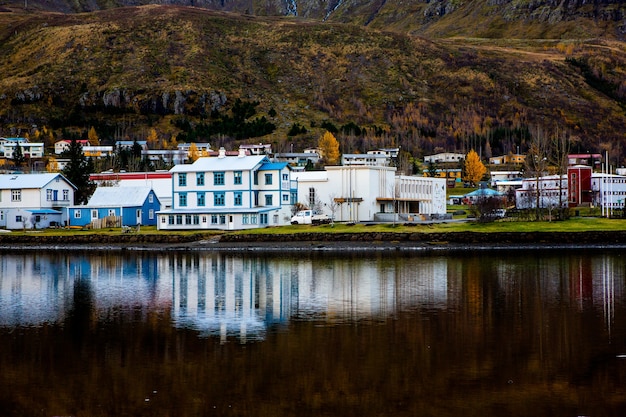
{"x":581,"y":224}
{"x":578,"y":224}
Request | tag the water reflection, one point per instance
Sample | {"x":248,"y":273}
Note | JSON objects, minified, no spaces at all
{"x":236,"y":296}
{"x":189,"y":334}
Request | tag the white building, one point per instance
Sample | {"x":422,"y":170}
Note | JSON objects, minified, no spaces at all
{"x":444,"y":157}
{"x":380,"y":160}
{"x":546,"y":189}
{"x":230,"y":192}
{"x":368,"y":193}
{"x":609,"y":191}
{"x":29,"y":149}
{"x":34,"y":200}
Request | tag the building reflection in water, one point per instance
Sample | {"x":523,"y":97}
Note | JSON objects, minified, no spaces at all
{"x":242,"y":297}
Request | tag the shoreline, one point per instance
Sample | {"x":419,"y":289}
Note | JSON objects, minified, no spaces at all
{"x":447,"y":242}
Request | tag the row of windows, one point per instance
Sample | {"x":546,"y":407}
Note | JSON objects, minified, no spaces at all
{"x":94,"y":213}
{"x":219,"y":199}
{"x":219,"y":178}
{"x":196,"y":219}
{"x":53,"y":195}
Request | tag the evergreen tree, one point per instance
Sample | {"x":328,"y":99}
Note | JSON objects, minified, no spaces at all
{"x":18,"y":156}
{"x":77,"y":171}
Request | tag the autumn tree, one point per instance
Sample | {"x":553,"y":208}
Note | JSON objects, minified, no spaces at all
{"x":474,"y":168}
{"x":92,"y":136}
{"x":153,"y":139}
{"x":193,"y":153}
{"x":329,"y":148}
{"x":52,"y":165}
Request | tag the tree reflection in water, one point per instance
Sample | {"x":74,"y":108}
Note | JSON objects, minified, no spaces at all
{"x":191,"y":334}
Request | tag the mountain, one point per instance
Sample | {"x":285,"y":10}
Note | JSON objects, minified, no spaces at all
{"x":193,"y":72}
{"x":477,"y":18}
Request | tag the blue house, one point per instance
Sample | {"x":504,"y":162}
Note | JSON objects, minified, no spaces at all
{"x":134,"y":205}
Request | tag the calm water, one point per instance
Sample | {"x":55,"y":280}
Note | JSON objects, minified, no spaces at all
{"x":209,"y":334}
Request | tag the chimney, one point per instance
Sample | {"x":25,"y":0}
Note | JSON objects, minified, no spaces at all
{"x":242,"y":152}
{"x":222,"y":153}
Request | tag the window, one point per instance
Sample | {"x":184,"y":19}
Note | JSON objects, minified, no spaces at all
{"x":163,"y":219}
{"x":16,"y":195}
{"x":268,"y":179}
{"x":200,"y":178}
{"x":196,"y":219}
{"x":311,"y":197}
{"x":182,"y":199}
{"x":256,"y":177}
{"x":268,"y":200}
{"x":201,"y":200}
{"x":111,"y":212}
{"x":244,"y":219}
{"x":66,"y":195}
{"x":293,"y":198}
{"x":77,"y":214}
{"x":18,"y":219}
{"x":138,"y":213}
{"x":263,"y":218}
{"x":218,"y":199}
{"x":218,"y":178}
{"x":170,"y":219}
{"x":203,"y":219}
{"x":182,"y":180}
{"x":222,"y":219}
{"x":253,"y":219}
{"x":238,"y":198}
{"x":49,"y":195}
{"x":94,"y":214}
{"x":285,"y":198}
{"x":213,"y":218}
{"x":187,"y":218}
{"x":285,"y":177}
{"x":179,"y":219}
{"x":238,"y":177}
{"x":151,"y":214}
{"x":151,"y":198}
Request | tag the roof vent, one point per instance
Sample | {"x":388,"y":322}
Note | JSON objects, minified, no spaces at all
{"x":222,"y":153}
{"x":242,"y":152}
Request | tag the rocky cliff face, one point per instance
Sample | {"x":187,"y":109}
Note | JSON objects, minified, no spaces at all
{"x":414,"y":15}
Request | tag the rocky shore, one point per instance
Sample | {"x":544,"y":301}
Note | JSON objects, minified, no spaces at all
{"x":317,"y":241}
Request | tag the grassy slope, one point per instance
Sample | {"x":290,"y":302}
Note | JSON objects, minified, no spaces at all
{"x":306,"y":71}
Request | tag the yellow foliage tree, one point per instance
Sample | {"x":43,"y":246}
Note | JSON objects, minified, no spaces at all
{"x":52,"y":165}
{"x":193,"y":153}
{"x":474,"y":168}
{"x":152,"y":139}
{"x":93,"y":137}
{"x":329,"y":148}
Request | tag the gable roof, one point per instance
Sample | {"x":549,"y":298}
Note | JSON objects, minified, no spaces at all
{"x":227,"y":163}
{"x":13,"y":181}
{"x":119,"y":196}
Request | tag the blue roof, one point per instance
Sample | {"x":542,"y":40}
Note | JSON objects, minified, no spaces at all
{"x":44,"y":211}
{"x":484,"y":192}
{"x":271,"y":166}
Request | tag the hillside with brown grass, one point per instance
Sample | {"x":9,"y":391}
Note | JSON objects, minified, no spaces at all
{"x":125,"y":71}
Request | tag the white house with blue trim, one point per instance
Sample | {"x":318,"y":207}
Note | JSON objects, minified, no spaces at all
{"x":34,"y":201}
{"x":134,"y":205}
{"x":230,"y":193}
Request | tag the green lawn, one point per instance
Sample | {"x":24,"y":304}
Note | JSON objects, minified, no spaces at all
{"x":575,"y":224}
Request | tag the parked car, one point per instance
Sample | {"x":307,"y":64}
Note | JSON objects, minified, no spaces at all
{"x":309,"y":217}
